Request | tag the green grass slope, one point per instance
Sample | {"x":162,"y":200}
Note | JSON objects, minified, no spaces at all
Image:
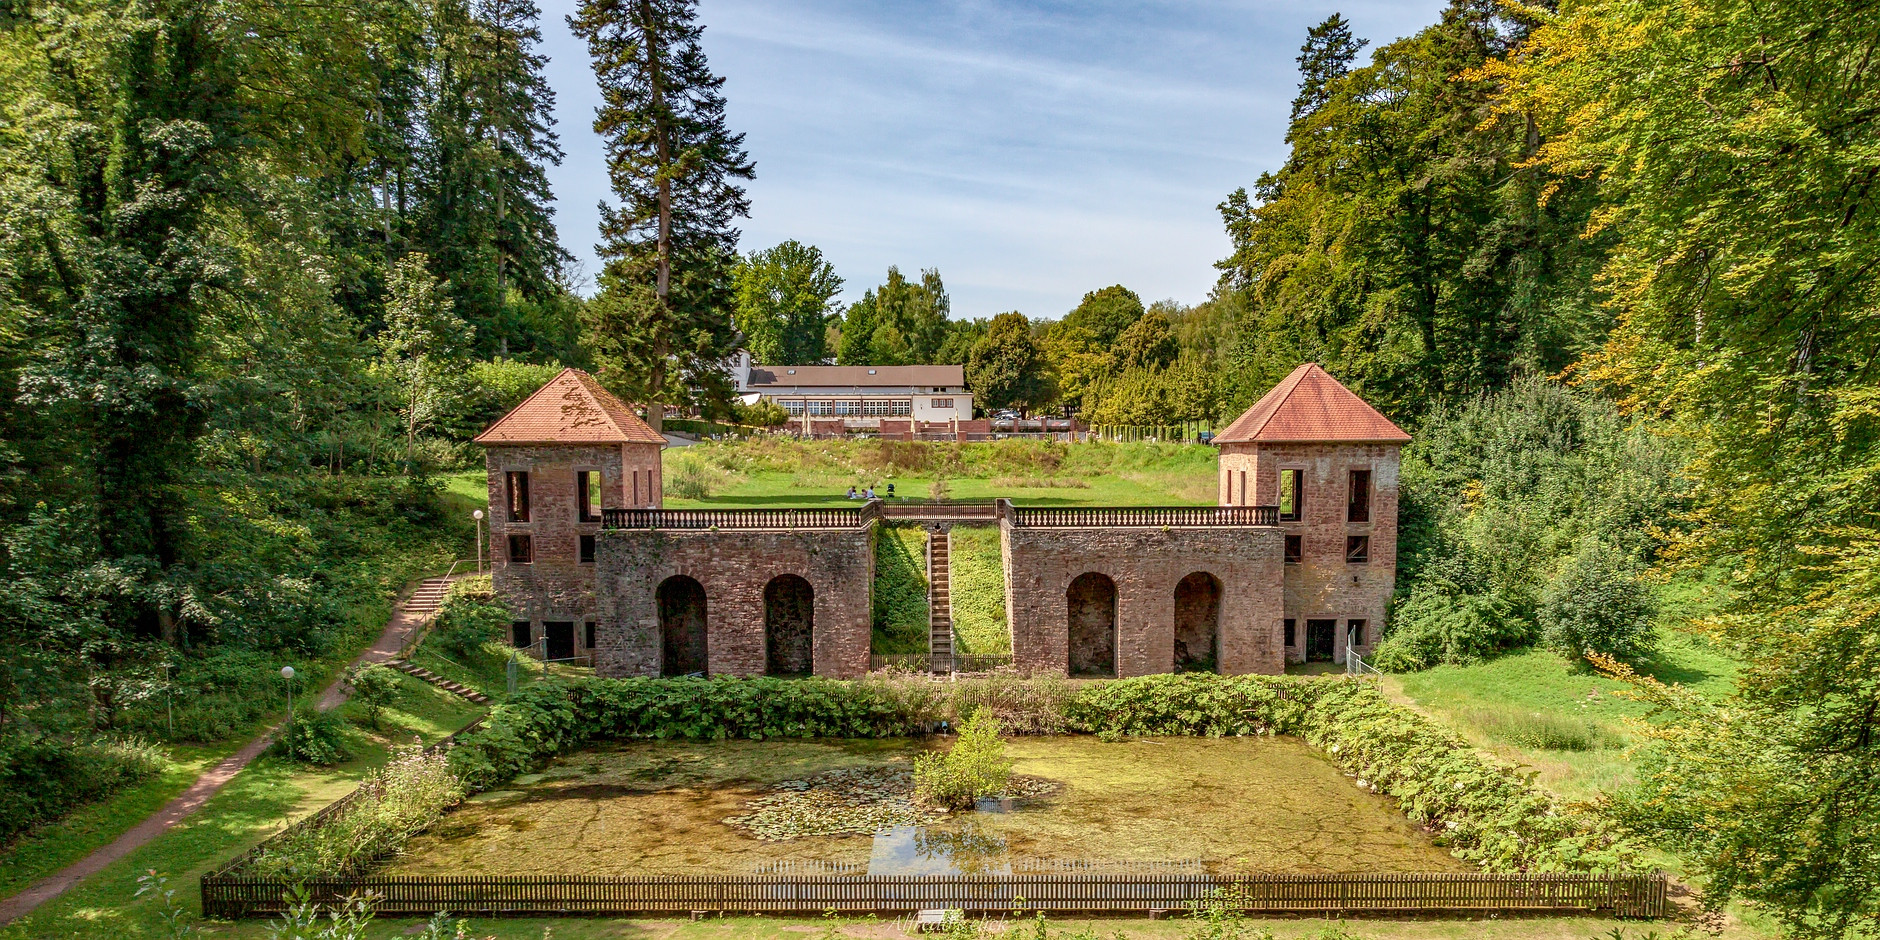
{"x":977,"y":583}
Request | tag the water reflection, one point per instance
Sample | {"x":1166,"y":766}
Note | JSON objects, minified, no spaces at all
{"x":965,"y":848}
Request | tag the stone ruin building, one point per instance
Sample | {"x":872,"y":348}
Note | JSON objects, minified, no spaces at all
{"x":1295,"y":563}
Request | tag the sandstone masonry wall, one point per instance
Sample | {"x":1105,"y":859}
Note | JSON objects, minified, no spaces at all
{"x":1323,"y":585}
{"x":1146,"y":564}
{"x":733,"y":566}
{"x":557,"y":585}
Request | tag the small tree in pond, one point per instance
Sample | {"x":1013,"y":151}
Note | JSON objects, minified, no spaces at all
{"x":974,"y":768}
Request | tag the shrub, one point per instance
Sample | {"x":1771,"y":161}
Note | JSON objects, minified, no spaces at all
{"x":394,"y":803}
{"x":469,"y":617}
{"x":47,"y":778}
{"x":313,"y":737}
{"x":1598,"y":604}
{"x":975,"y":766}
{"x":375,"y":688}
{"x":1428,"y":629}
{"x":692,"y":478}
{"x":764,"y":414}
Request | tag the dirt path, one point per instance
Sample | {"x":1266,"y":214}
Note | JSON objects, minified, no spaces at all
{"x":403,"y":621}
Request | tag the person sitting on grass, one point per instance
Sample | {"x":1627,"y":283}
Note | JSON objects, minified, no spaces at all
{"x":852,"y":493}
{"x":870,"y":494}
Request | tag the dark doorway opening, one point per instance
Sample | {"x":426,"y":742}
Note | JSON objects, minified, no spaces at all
{"x":1091,"y":601}
{"x":789,"y":626}
{"x":681,"y":626}
{"x":560,"y":634}
{"x":1197,"y":623}
{"x":519,"y":633}
{"x":1319,"y":634}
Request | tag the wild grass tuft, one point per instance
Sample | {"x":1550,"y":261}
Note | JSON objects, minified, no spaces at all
{"x":1540,"y":730}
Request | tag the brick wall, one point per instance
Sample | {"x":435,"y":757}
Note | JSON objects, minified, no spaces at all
{"x":733,"y":566}
{"x":557,"y":586}
{"x":1146,"y":565}
{"x":1323,"y":585}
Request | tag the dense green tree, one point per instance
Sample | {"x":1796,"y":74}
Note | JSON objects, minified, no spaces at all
{"x":1007,"y":369}
{"x":1735,"y":143}
{"x":1409,"y":243}
{"x":421,"y":351}
{"x":1105,"y":314}
{"x":1324,"y":59}
{"x":899,"y":323}
{"x":786,"y":301}
{"x":1148,"y":343}
{"x":661,"y":326}
{"x":962,"y":336}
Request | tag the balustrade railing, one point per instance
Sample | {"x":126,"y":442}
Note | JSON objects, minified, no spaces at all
{"x":699,"y":519}
{"x":1119,"y":516}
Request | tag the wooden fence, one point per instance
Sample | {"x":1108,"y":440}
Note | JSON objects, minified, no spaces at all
{"x":699,"y":519}
{"x":1618,"y":895}
{"x":1109,"y":516}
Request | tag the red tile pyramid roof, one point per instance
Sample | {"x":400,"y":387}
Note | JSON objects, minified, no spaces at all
{"x":571,"y":409}
{"x":1310,"y":405}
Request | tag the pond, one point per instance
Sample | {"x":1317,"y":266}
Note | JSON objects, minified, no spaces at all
{"x":812,"y":807}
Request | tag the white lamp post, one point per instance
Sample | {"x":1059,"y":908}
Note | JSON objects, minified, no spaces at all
{"x":287,"y":674}
{"x":477,"y":515}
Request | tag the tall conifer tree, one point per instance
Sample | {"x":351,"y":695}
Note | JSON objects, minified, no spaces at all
{"x":661,"y":326}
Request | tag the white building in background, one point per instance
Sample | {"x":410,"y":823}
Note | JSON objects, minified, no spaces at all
{"x":860,"y":395}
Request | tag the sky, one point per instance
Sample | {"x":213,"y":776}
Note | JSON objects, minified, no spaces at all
{"x":1032,"y":152}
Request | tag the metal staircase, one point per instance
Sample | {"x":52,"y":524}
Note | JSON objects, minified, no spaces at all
{"x":939,"y":608}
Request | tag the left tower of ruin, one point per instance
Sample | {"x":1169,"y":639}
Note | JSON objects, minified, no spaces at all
{"x":556,"y":462}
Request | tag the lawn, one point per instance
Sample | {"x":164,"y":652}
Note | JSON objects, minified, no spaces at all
{"x":259,"y":801}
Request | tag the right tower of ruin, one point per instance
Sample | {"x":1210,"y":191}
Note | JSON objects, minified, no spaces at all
{"x":1329,"y":461}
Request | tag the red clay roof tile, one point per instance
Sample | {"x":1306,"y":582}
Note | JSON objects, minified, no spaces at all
{"x":1310,"y":405}
{"x":571,"y":409}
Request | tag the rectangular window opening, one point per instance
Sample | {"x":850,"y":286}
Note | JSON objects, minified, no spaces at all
{"x":1295,"y":548}
{"x":1291,"y":496}
{"x":519,"y":634}
{"x":518,"y":486}
{"x":587,"y":487}
{"x":1243,"y":487}
{"x":901,"y":407}
{"x":588,"y":628}
{"x":1354,"y":632}
{"x":1357,"y":549}
{"x":521,"y":549}
{"x":1358,"y":508}
{"x":943,"y":403}
{"x":1292,"y":636}
{"x":587,"y":549}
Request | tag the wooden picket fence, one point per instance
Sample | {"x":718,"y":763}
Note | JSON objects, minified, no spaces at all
{"x":1625,"y":895}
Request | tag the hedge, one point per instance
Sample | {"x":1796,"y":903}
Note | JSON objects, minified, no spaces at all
{"x":1484,"y":812}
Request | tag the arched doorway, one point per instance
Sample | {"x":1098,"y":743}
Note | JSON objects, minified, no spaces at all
{"x":681,"y":626}
{"x":1197,"y":623}
{"x":789,"y":626}
{"x":1091,"y":604}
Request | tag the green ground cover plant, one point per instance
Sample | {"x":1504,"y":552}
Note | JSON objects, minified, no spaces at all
{"x":1486,"y":813}
{"x":977,"y":572}
{"x":392,"y":804}
{"x":47,"y":778}
{"x":900,"y":597}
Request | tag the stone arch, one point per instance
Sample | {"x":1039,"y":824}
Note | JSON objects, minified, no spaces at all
{"x":1090,"y":604}
{"x":789,"y":626}
{"x":681,"y":626}
{"x":1198,"y":623}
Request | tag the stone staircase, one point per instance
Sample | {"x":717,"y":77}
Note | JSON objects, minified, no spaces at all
{"x":428,"y":597}
{"x":939,"y":606}
{"x":454,"y":688}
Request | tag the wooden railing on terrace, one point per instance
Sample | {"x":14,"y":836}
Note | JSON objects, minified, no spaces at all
{"x":1620,"y":895}
{"x":699,"y":519}
{"x":1119,"y":516}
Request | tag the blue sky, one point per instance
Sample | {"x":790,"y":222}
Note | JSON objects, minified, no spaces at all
{"x":1030,"y":151}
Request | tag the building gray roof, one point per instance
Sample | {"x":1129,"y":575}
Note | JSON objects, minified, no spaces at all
{"x":774,"y":377}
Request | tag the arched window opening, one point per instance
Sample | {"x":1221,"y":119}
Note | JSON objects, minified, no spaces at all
{"x":1198,"y":623}
{"x":1091,"y":605}
{"x":789,"y":626}
{"x":681,"y":626}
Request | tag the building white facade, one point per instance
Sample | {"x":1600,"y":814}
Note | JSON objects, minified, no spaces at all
{"x":859,"y":395}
